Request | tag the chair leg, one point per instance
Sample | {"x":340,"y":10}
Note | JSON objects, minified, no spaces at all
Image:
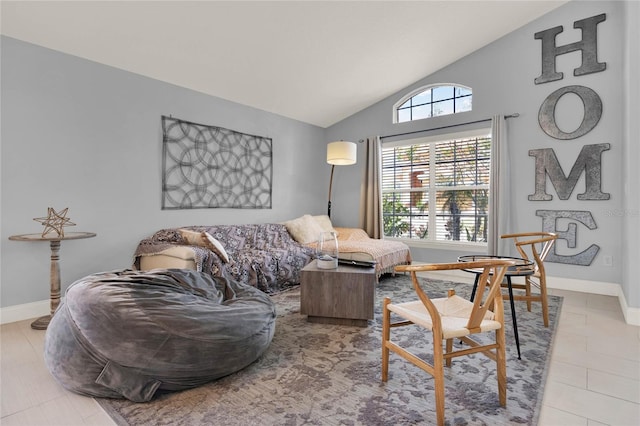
{"x":545,"y":304}
{"x":527,"y":292}
{"x":386,"y":334}
{"x":449,"y":349}
{"x":501,"y":366}
{"x":438,"y":375}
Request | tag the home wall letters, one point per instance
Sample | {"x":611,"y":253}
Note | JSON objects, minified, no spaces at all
{"x":592,"y":112}
{"x":589,"y":159}
{"x":549,"y":224}
{"x":588,"y":47}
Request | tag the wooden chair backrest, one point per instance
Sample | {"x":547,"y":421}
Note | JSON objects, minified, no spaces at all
{"x":534,"y":246}
{"x":488,"y":293}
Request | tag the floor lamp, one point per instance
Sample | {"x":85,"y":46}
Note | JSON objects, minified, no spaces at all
{"x":339,"y":153}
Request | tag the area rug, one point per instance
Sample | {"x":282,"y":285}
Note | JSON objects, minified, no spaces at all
{"x":316,"y":374}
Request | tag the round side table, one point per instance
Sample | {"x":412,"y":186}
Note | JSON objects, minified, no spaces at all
{"x":523,"y":267}
{"x":54,"y":242}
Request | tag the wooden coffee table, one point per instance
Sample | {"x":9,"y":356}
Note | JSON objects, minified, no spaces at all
{"x":337,"y":296}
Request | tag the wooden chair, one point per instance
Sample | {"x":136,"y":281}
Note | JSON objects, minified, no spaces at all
{"x":450,"y":318}
{"x":534,"y":246}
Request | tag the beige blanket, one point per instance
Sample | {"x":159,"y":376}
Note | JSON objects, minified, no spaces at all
{"x":354,"y":243}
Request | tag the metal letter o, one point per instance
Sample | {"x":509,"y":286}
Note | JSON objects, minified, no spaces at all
{"x":592,"y":112}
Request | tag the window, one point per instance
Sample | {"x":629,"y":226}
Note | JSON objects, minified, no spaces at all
{"x":437,"y":189}
{"x":432,"y":102}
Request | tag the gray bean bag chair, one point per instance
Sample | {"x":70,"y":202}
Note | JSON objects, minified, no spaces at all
{"x":131,"y":333}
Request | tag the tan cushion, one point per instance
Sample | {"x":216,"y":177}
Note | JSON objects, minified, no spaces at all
{"x":304,"y":229}
{"x":180,"y":257}
{"x":179,"y":252}
{"x":204,"y":239}
{"x":162,"y":261}
{"x":354,"y":234}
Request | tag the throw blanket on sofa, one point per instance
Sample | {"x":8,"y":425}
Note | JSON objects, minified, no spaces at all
{"x":264,"y":255}
{"x":355,"y":244}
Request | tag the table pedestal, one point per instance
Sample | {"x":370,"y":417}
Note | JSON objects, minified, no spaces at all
{"x":522,"y":268}
{"x":43,"y":322}
{"x":54,"y":279}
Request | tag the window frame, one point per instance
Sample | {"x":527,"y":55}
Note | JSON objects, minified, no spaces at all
{"x":397,"y":106}
{"x":481,"y":132}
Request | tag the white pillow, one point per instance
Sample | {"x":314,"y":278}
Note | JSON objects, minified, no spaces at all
{"x":324,"y":222}
{"x":215,"y":246}
{"x":304,"y":229}
{"x":204,"y":239}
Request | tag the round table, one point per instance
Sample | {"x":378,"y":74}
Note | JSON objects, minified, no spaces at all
{"x":523,"y":267}
{"x":54,"y":242}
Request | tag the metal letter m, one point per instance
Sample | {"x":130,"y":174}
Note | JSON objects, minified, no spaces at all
{"x":589,"y":160}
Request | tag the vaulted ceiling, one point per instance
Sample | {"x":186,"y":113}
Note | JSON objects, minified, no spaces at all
{"x":317,"y":62}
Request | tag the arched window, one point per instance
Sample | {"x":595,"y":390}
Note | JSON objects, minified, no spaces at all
{"x":432,"y":101}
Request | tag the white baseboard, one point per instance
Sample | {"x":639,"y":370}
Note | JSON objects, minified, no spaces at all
{"x":631,"y":314}
{"x":25,"y":311}
{"x":583,"y":286}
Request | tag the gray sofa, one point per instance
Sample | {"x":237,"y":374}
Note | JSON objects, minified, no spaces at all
{"x":268,"y":256}
{"x":264,"y":256}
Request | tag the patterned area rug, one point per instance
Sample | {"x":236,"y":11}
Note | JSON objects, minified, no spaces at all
{"x":330,"y":375}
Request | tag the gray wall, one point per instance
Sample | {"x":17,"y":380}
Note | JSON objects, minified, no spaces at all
{"x":631,"y":154}
{"x":85,"y":136}
{"x":502,"y":77}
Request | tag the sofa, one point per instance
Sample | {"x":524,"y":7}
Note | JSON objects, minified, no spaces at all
{"x":268,"y":256}
{"x":261,"y":255}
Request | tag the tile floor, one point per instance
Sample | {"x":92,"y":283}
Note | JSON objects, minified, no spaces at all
{"x":594,"y":378}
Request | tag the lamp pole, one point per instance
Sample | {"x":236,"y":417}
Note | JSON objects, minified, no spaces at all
{"x":330,"y":184}
{"x":339,"y":153}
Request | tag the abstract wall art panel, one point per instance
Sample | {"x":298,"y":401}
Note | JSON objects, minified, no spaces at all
{"x":213,"y":167}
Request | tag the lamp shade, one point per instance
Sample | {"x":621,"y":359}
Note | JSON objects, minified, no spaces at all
{"x":341,"y":153}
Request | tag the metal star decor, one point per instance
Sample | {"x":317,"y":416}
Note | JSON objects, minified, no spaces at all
{"x":55,"y":221}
